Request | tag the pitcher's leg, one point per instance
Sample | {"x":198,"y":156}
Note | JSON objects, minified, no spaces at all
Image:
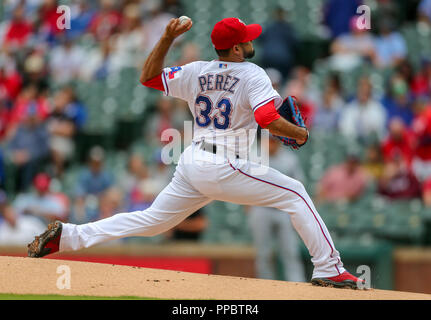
{"x":177,"y":201}
{"x":273,"y":189}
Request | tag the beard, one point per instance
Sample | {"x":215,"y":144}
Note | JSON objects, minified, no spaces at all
{"x":249,"y":55}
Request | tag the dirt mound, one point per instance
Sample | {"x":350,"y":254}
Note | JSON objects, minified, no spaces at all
{"x":41,"y":276}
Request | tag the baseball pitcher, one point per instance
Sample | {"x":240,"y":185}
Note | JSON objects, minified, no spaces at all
{"x":228,"y":98}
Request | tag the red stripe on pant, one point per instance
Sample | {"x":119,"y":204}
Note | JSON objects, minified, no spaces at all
{"x":276,"y":185}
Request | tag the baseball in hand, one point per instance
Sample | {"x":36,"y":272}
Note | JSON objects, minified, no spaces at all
{"x":184,"y":19}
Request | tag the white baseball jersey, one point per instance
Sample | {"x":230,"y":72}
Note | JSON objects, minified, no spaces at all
{"x":222,"y":96}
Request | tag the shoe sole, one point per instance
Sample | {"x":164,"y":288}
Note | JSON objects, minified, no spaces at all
{"x":35,"y":248}
{"x":329,"y":283}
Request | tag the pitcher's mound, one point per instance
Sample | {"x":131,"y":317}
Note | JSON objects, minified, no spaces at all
{"x":41,"y":276}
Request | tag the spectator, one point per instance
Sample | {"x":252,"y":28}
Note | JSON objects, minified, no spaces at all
{"x":373,"y":163}
{"x":99,"y":62}
{"x":364,"y":116}
{"x":15,"y":229}
{"x":129,"y":42}
{"x":7,"y":215}
{"x":142,"y":194}
{"x":338,"y":14}
{"x":424,"y":11}
{"x":169,"y":115}
{"x":345,"y":182}
{"x":349,"y":50}
{"x":30,"y":7}
{"x":148,"y":187}
{"x":130,"y":181}
{"x":143,"y":184}
{"x":111,"y":202}
{"x":421,"y":85}
{"x":36,"y":71}
{"x":66,"y":61}
{"x":18,"y":31}
{"x":160,"y":174}
{"x":391,"y":47}
{"x":28,"y":147}
{"x":4,"y":119}
{"x":106,"y":21}
{"x":406,"y":70}
{"x":275,"y":76}
{"x":75,"y":108}
{"x":63,"y":123}
{"x":271,"y":227}
{"x":48,"y":18}
{"x":136,"y":171}
{"x":148,"y":183}
{"x":421,"y":163}
{"x":329,"y":106}
{"x":41,"y":202}
{"x":189,"y":229}
{"x":300,"y":86}
{"x":149,"y":7}
{"x":398,"y":143}
{"x":278,"y":44}
{"x":10,"y":81}
{"x":397,"y":101}
{"x":190,"y":52}
{"x":80,"y":20}
{"x":92,"y":182}
{"x":94,"y":179}
{"x":29,"y":101}
{"x":155,"y":25}
{"x":398,"y":182}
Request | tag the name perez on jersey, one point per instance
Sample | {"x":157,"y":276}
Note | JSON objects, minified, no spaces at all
{"x":219,"y":82}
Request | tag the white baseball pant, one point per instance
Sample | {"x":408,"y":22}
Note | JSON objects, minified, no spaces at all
{"x":202,"y":177}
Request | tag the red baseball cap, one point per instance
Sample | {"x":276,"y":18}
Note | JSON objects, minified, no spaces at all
{"x":42,"y":182}
{"x":231,"y":31}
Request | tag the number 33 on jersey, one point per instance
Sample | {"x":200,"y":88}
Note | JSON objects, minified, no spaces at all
{"x":222,"y":96}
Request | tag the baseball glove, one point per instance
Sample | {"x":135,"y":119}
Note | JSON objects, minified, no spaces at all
{"x":289,"y":110}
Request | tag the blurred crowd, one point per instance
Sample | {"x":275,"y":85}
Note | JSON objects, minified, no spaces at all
{"x":41,"y":113}
{"x":393,"y":128}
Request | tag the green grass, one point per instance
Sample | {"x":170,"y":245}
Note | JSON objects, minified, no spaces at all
{"x":7,"y":296}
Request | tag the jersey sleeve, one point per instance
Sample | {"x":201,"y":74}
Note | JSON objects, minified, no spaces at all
{"x":266,"y":114}
{"x":260,"y":91}
{"x":177,"y":81}
{"x":155,"y":83}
